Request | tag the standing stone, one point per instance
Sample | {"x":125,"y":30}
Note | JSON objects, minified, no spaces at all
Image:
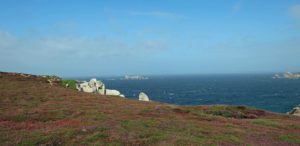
{"x":143,"y":97}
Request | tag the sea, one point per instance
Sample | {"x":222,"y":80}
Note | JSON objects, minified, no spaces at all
{"x":259,"y":91}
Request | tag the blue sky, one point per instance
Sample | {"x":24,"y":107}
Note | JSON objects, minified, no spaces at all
{"x":118,"y":37}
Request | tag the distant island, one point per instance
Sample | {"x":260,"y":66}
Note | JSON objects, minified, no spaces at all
{"x":287,"y":75}
{"x":135,"y":77}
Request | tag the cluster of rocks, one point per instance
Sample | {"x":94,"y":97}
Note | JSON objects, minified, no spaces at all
{"x":95,"y":86}
{"x":295,"y":111}
{"x":98,"y":87}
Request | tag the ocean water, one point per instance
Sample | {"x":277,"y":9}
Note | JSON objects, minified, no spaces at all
{"x":260,"y":91}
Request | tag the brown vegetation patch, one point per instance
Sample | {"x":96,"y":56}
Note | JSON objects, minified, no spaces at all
{"x":28,"y":125}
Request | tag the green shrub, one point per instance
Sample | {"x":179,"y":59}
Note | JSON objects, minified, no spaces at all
{"x":71,"y":83}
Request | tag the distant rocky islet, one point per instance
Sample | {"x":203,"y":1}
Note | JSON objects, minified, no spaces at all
{"x":287,"y":75}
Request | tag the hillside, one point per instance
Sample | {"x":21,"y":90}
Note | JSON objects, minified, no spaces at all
{"x":32,"y":112}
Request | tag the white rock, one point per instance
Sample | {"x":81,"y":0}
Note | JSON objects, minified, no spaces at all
{"x":80,"y":84}
{"x":93,"y":86}
{"x":93,"y":83}
{"x":112,"y":92}
{"x":295,"y":111}
{"x":87,"y":89}
{"x":24,"y":75}
{"x":102,"y":90}
{"x":143,"y":97}
{"x":50,"y":82}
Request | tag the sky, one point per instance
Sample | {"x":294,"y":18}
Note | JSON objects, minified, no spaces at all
{"x":149,"y":37}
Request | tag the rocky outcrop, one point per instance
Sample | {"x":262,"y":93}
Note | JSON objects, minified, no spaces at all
{"x":143,"y":97}
{"x":84,"y":87}
{"x":93,"y":86}
{"x":98,"y":87}
{"x":295,"y":111}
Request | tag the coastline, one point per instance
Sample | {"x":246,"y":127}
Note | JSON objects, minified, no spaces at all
{"x":58,"y":115}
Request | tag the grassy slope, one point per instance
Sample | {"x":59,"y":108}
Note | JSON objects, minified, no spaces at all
{"x":34,"y":113}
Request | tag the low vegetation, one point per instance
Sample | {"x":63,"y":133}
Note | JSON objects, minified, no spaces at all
{"x":32,"y":112}
{"x":69,"y":83}
{"x":291,"y":138}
